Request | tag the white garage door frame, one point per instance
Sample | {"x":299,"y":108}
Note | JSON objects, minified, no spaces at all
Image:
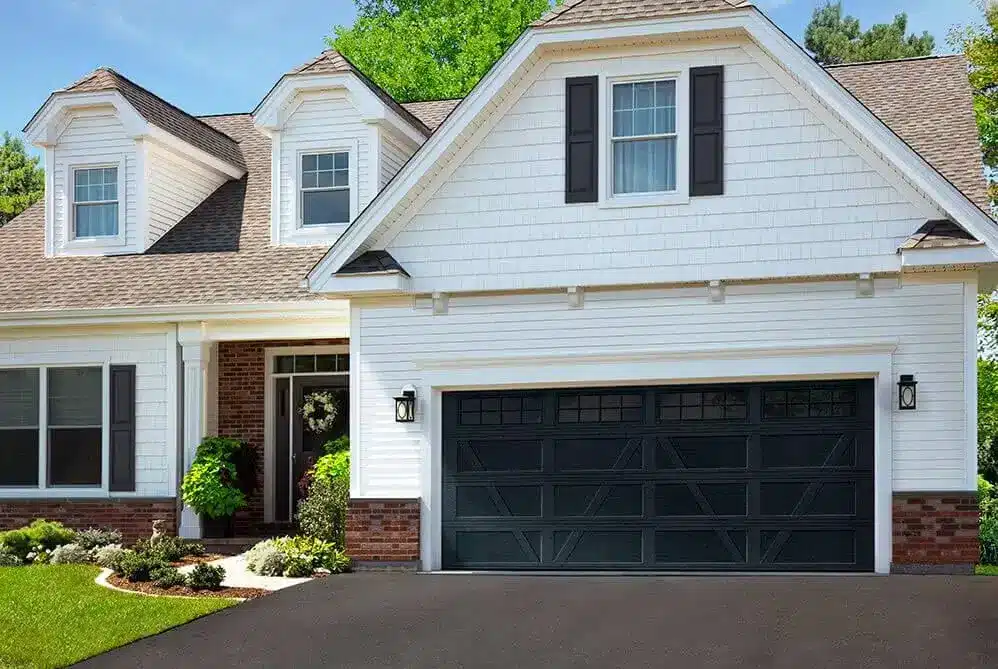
{"x":820,"y":360}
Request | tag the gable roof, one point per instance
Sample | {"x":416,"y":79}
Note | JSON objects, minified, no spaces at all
{"x":160,"y":113}
{"x":581,"y":12}
{"x":432,"y":112}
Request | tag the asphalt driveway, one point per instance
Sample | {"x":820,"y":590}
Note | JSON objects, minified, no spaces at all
{"x":419,"y":621}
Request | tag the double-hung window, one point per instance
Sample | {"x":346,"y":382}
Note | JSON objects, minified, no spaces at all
{"x":325,"y":188}
{"x":95,"y":202}
{"x":68,"y":433}
{"x":644,"y":138}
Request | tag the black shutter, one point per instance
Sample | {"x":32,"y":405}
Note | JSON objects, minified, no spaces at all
{"x":581,"y":149}
{"x":122,"y":421}
{"x":707,"y":130}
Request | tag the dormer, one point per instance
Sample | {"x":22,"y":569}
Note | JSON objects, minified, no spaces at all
{"x":336,"y":140}
{"x":123,"y":166}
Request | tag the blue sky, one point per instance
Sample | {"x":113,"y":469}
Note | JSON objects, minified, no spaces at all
{"x":218,"y":56}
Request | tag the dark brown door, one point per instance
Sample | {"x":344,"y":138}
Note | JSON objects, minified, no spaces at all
{"x":306,"y":446}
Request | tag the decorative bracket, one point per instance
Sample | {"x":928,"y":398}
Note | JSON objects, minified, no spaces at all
{"x":715,"y":291}
{"x":439,"y":303}
{"x":864,"y":285}
{"x":576,"y":296}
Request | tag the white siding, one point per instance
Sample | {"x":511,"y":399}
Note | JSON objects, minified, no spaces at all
{"x":95,"y":138}
{"x":323,"y":122}
{"x":395,"y":151}
{"x":175,"y":186}
{"x":798,"y":200}
{"x":930,"y":445}
{"x":154,"y":455}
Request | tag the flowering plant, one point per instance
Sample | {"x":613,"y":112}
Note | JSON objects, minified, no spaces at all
{"x":319,"y":411}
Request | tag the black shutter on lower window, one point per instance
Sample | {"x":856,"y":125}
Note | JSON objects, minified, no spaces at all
{"x":581,"y":149}
{"x":122,"y":419}
{"x":707,"y":130}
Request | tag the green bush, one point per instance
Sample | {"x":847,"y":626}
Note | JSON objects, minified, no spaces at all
{"x":987,"y":499}
{"x":94,"y":537}
{"x":8,"y":559}
{"x":303,"y":555}
{"x":16,"y":542}
{"x":206,"y":577}
{"x":71,"y":554}
{"x":332,"y":467}
{"x":337,"y":445}
{"x":49,"y":535}
{"x":209,"y":488}
{"x":168,"y":548}
{"x":109,"y":556}
{"x":167,"y":577}
{"x":234,"y":452}
{"x":137,"y":567}
{"x":266,"y":559}
{"x":338,"y":562}
{"x":322,"y":513}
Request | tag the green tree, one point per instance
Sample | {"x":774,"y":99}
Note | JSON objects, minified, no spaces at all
{"x":980,"y":44}
{"x":987,"y":387}
{"x":22,"y":181}
{"x":432,"y":49}
{"x":833,"y":38}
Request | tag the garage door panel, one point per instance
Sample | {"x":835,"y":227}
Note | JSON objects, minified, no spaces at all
{"x":696,"y":498}
{"x":702,"y":452}
{"x":597,"y":454}
{"x":499,"y":455}
{"x":480,"y":501}
{"x":700,"y":547}
{"x":598,"y":500}
{"x":598,"y":548}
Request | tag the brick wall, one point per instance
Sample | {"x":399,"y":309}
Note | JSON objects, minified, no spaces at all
{"x":936,"y":529}
{"x":241,"y":383}
{"x":133,"y":517}
{"x":383,"y":530}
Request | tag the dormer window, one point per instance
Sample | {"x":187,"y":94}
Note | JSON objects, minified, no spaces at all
{"x":325,"y":188}
{"x":644,"y":137}
{"x":95,"y":202}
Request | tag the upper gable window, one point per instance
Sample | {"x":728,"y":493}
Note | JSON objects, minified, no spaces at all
{"x":325,"y":188}
{"x":644,"y":138}
{"x":95,"y":202}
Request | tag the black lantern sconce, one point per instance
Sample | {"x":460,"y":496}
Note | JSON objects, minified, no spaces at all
{"x":906,"y":392}
{"x":405,"y":405}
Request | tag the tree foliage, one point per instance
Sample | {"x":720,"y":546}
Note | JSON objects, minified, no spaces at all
{"x":980,"y":44}
{"x":432,"y":49}
{"x":987,"y":387}
{"x":833,"y":38}
{"x":22,"y":181}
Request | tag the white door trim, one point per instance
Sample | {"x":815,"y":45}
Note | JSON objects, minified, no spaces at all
{"x":872,"y":359}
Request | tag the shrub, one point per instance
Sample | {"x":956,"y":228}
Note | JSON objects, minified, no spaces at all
{"x":206,"y":577}
{"x":322,"y":514}
{"x":110,"y":555}
{"x":336,"y":445}
{"x":235,"y":452}
{"x":338,"y":562}
{"x":168,"y":548}
{"x":8,"y":559}
{"x":209,"y":487}
{"x":70,"y":554}
{"x":94,"y":537}
{"x":299,"y":567}
{"x":332,"y":467}
{"x":16,"y":542}
{"x":167,"y":577}
{"x":38,"y":555}
{"x":137,"y":567}
{"x":266,"y":559}
{"x":49,"y":534}
{"x":303,"y":555}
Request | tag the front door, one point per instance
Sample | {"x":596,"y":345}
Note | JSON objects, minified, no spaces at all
{"x":307,"y":443}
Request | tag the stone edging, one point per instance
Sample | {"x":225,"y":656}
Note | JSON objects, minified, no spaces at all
{"x":104,"y":573}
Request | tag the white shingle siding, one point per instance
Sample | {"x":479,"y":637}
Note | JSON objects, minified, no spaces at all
{"x":927,"y":320}
{"x":175,"y":186}
{"x":154,"y":455}
{"x":798,"y":197}
{"x":95,"y":138}
{"x":395,"y":151}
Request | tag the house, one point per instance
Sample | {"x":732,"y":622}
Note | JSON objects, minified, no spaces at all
{"x":660,"y":293}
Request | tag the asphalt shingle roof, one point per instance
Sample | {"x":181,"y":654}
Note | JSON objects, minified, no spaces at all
{"x":581,"y":12}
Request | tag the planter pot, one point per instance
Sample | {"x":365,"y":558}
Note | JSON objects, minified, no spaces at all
{"x":218,"y":528}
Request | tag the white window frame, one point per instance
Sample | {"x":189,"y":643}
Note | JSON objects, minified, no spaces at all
{"x":681,"y":195}
{"x":72,"y":241}
{"x":44,"y":488}
{"x":324,"y":232}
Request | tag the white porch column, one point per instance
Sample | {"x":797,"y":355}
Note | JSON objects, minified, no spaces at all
{"x":197,"y":404}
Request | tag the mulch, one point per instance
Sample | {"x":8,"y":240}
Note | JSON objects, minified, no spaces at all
{"x":151,"y":588}
{"x":196,"y":559}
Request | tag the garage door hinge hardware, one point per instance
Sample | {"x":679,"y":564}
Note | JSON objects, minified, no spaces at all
{"x":715,"y":291}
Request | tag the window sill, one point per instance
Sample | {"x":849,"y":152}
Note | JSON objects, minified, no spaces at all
{"x":68,"y":492}
{"x":644,"y":200}
{"x":315,"y":234}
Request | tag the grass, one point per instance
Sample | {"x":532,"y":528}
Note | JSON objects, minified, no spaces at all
{"x":986,"y":570}
{"x":55,"y":615}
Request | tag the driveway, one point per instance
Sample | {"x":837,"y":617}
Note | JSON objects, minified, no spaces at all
{"x":510,"y":622}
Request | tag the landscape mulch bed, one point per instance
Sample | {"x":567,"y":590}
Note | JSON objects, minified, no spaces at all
{"x":150,"y":588}
{"x":196,"y":559}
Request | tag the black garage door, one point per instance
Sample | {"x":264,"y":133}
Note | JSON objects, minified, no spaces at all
{"x":775,"y":476}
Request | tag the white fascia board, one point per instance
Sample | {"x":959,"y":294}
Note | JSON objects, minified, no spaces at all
{"x":750,"y":20}
{"x":947,"y":255}
{"x":380,"y":283}
{"x":178,"y":146}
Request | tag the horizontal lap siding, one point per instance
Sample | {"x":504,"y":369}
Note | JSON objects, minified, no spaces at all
{"x":154,"y":457}
{"x":796,"y":197}
{"x":92,"y":139}
{"x":928,"y":319}
{"x":175,"y":187}
{"x":394,"y":154}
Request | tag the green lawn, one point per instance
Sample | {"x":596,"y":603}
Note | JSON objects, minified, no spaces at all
{"x":986,"y":570}
{"x":55,"y":615}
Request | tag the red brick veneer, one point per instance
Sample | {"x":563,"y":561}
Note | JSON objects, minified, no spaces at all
{"x":383,"y":530}
{"x":132,"y":517}
{"x":242,"y":378}
{"x":936,"y":529}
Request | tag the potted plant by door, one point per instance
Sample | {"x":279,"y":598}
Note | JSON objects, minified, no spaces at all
{"x":218,"y":482}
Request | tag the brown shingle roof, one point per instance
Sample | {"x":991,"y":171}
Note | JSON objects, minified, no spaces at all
{"x":580,"y":12}
{"x":938,"y":234}
{"x":432,"y":112}
{"x":162,"y":114}
{"x":928,"y":103}
{"x":219,"y":254}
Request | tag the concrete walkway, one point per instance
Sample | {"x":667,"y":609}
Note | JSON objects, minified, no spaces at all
{"x":238,"y":576}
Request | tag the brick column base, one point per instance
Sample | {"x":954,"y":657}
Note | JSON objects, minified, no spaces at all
{"x":132,"y":517}
{"x":935,"y":532}
{"x":383,"y":533}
